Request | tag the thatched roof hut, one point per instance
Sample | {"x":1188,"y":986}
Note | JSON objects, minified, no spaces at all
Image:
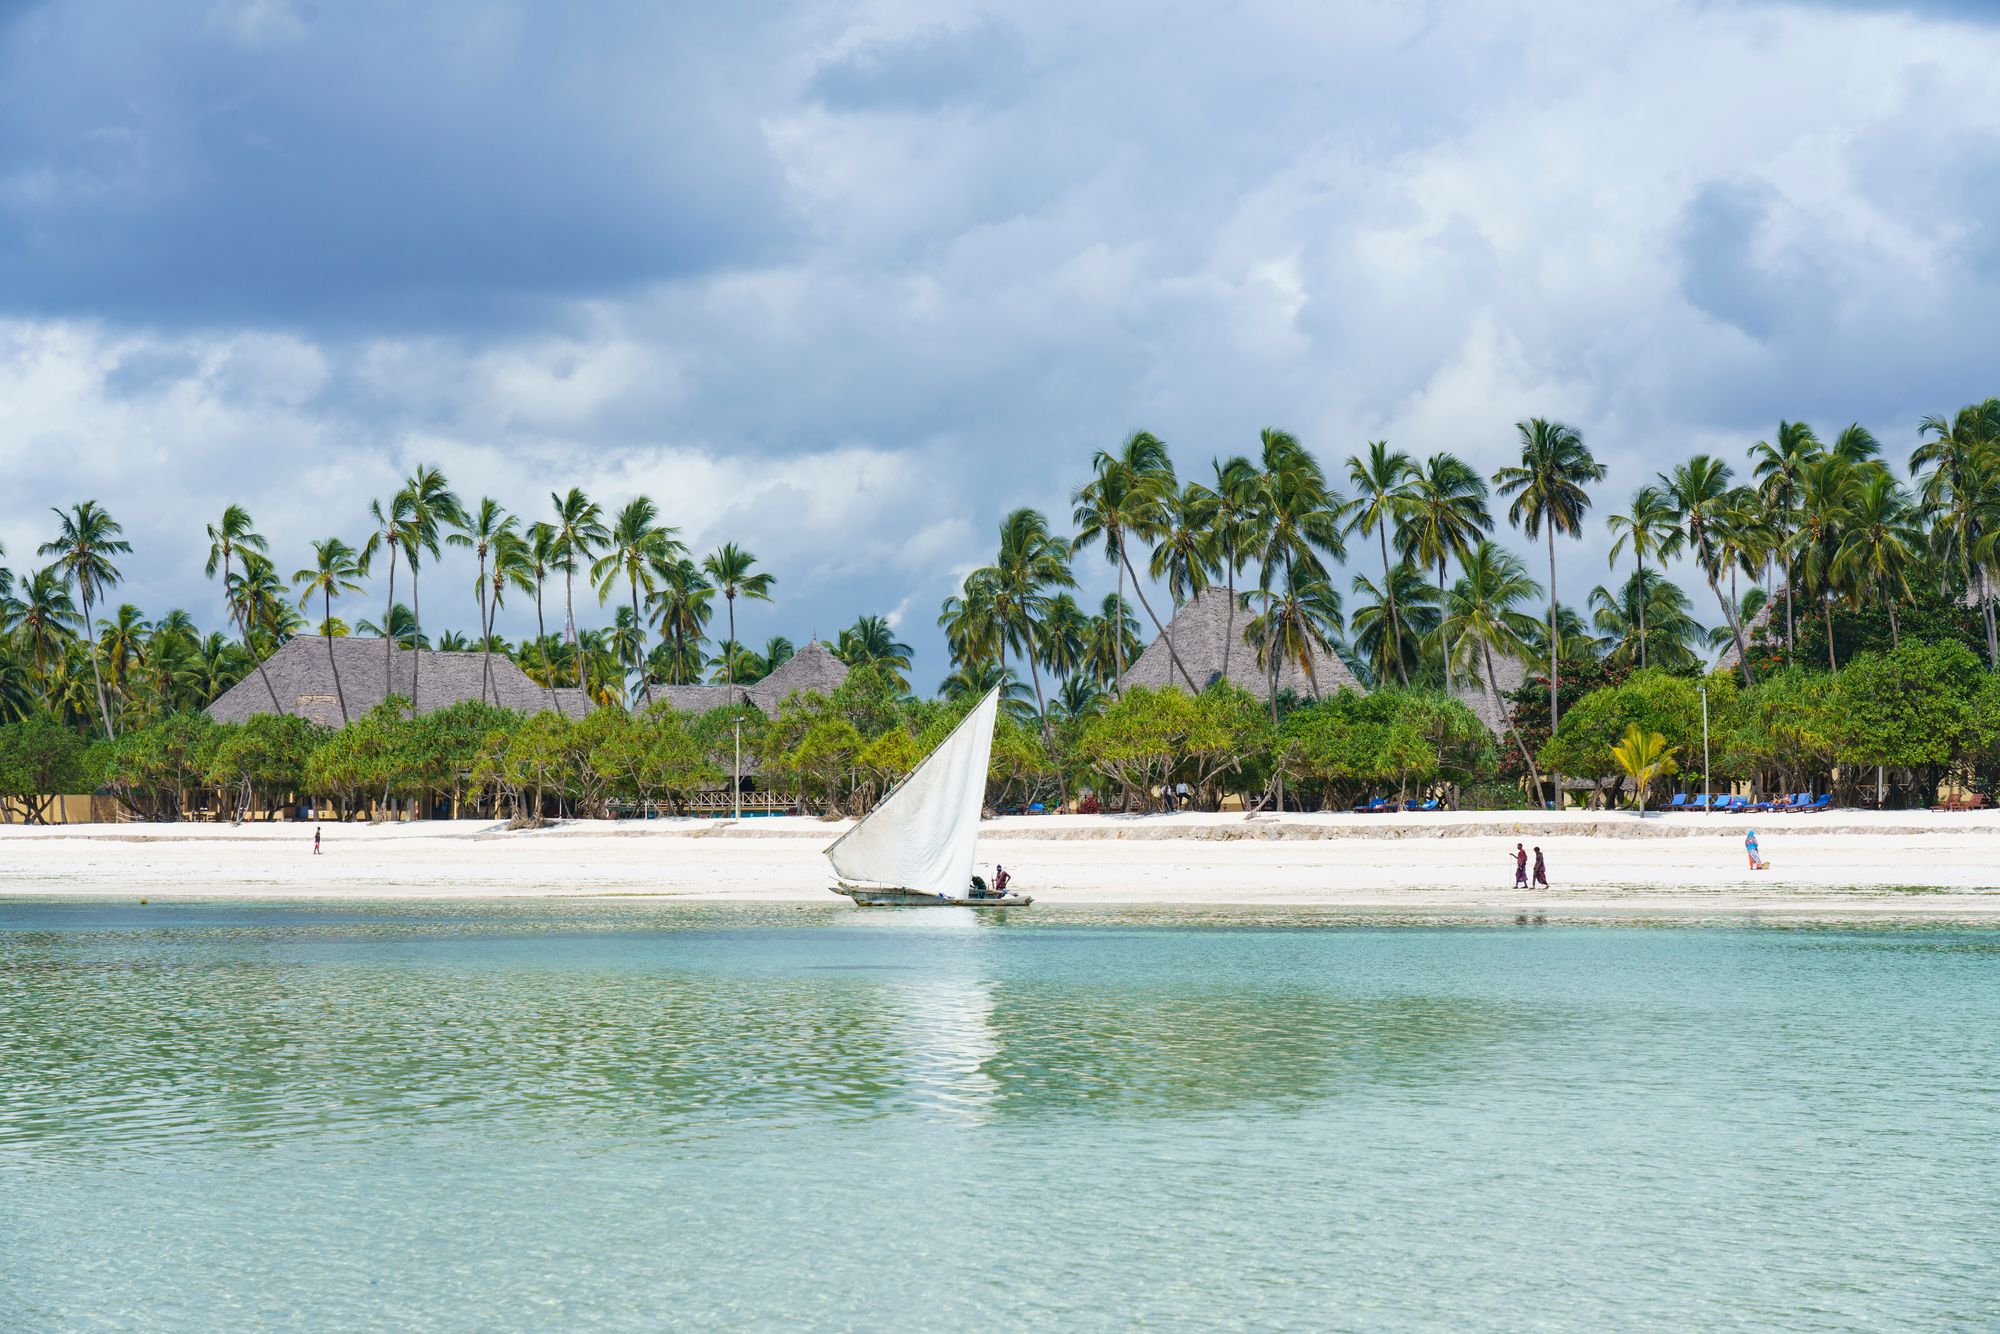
{"x":812,"y":668}
{"x":302,"y":677}
{"x":1201,"y":628}
{"x":1488,"y":699}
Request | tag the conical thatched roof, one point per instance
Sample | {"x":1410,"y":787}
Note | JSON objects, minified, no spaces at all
{"x":1200,"y":629}
{"x":812,"y":668}
{"x":1488,"y":699}
{"x":302,"y":677}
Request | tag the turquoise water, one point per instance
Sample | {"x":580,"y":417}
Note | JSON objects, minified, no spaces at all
{"x":618,"y":1116}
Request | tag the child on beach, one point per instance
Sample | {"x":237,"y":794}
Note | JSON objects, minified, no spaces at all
{"x":315,"y":840}
{"x":1541,"y":870}
{"x":1520,"y":867}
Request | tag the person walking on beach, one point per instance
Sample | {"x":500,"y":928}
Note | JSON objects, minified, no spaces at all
{"x":315,"y":840}
{"x":1750,"y":846}
{"x":1520,"y":867}
{"x":1541,"y":870}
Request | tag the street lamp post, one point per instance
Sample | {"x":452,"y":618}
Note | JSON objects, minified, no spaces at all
{"x":1703,"y":690}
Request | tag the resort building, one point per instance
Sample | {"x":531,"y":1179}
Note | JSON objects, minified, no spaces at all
{"x":812,"y":668}
{"x":1488,"y":699}
{"x":301,"y":677}
{"x":1202,"y":629}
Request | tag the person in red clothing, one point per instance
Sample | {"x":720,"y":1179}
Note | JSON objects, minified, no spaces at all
{"x":315,"y":840}
{"x":1520,"y":867}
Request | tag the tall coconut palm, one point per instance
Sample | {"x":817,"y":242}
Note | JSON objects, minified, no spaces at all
{"x":580,"y":531}
{"x":1647,"y":618}
{"x":972,"y":620}
{"x":86,"y":540}
{"x":335,"y":570}
{"x":1825,"y":491}
{"x":1300,"y":622}
{"x":1031,"y":561}
{"x":539,"y":555}
{"x":483,"y":531}
{"x":434,"y":507}
{"x":636,"y":544}
{"x":1701,"y":494}
{"x":1391,"y":643}
{"x":1233,"y":508}
{"x":680,"y":603}
{"x":232,"y":533}
{"x":121,"y":644}
{"x":1446,"y":518}
{"x":733,"y":572}
{"x":45,"y":616}
{"x":871,"y":640}
{"x":1956,"y":467}
{"x":1879,"y":544}
{"x":1549,"y":490}
{"x":1778,"y":466}
{"x":1111,"y":641}
{"x":1645,"y":526}
{"x":1483,"y":617}
{"x":1065,"y":637}
{"x":1384,"y":491}
{"x":1125,"y":500}
{"x":1185,"y":554}
{"x":391,"y":537}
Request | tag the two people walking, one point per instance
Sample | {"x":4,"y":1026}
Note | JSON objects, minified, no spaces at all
{"x":1521,"y":868}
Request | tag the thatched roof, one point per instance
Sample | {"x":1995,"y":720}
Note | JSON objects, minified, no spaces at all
{"x":812,"y":668}
{"x":1200,"y":629}
{"x":1730,"y":659}
{"x":1488,"y":699}
{"x":302,"y":677}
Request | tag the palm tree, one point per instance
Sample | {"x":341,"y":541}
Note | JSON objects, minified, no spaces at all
{"x":1066,"y":631}
{"x":1384,"y":490}
{"x":1548,"y":490}
{"x":1645,"y":528}
{"x":232,"y":533}
{"x":971,"y":680}
{"x":391,"y":536}
{"x":1647,"y":619}
{"x":1879,"y":544}
{"x":1482,"y":611}
{"x":1957,"y":464}
{"x":434,"y":506}
{"x":871,"y":639}
{"x":264,"y":603}
{"x":1701,"y":496}
{"x":778,"y":651}
{"x":1112,"y":640}
{"x":540,"y":553}
{"x":1299,"y":623}
{"x":121,"y":643}
{"x":636,"y":544}
{"x":1233,"y":507}
{"x":1645,"y":757}
{"x":680,"y":605}
{"x":335,"y":570}
{"x":1825,"y":489}
{"x":580,"y":530}
{"x":484,"y":531}
{"x":733,"y":571}
{"x":1126,"y":499}
{"x":1778,"y":468}
{"x":1390,"y":641}
{"x":1080,"y":697}
{"x":45,"y":615}
{"x":1031,"y":561}
{"x":1186,"y":552}
{"x":1446,"y":517}
{"x":86,"y":540}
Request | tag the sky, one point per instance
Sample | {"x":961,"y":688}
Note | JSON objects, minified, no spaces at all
{"x":844,"y":283}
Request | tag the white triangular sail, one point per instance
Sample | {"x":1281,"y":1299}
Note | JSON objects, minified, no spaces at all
{"x":921,"y":837}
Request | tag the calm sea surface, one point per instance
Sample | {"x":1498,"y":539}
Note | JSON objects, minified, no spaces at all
{"x":231,"y":1116}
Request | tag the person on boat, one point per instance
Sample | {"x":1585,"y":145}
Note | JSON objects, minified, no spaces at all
{"x":1541,"y":870}
{"x":1000,"y":878}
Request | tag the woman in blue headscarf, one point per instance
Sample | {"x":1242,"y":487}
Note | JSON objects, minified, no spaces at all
{"x":1750,"y":846}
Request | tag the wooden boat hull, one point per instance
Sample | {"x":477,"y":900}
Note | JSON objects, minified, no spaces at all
{"x":865,"y":897}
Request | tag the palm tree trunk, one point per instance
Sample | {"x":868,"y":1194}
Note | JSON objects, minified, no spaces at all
{"x":1528,"y":759}
{"x":1789,"y":627}
{"x":1826,"y":611}
{"x":1895,"y":636}
{"x":638,"y":644}
{"x":1193,"y":689}
{"x":1735,"y":630}
{"x":1555,"y":681}
{"x":243,"y":625}
{"x":1444,"y":619}
{"x":569,"y":611}
{"x":542,"y":646}
{"x":1048,"y":740}
{"x":485,"y":633}
{"x":1394,"y":642}
{"x":416,"y":633}
{"x":338,"y":693}
{"x":389,"y":630}
{"x":1986,"y":605}
{"x":729,"y":654}
{"x":1118,"y":631}
{"x":90,"y":633}
{"x":1229,"y":635}
{"x":1642,"y":607}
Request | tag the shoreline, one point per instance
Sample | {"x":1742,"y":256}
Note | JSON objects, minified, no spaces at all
{"x":1841,"y":863}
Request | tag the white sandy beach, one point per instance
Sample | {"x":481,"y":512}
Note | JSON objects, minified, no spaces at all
{"x":1904,"y":862}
